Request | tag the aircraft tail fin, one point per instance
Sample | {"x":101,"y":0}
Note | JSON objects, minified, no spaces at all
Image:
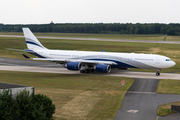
{"x":31,"y":41}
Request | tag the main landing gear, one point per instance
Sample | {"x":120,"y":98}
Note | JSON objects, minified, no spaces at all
{"x":158,"y":72}
{"x":86,"y":71}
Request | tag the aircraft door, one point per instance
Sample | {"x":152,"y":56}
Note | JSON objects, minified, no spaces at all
{"x":157,"y":60}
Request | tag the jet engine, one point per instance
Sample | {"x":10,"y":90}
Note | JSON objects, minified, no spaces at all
{"x":73,"y":65}
{"x":103,"y":68}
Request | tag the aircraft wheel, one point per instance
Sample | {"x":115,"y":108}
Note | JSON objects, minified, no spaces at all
{"x":157,"y":74}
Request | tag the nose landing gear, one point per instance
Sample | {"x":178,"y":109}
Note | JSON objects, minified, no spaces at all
{"x":158,"y":72}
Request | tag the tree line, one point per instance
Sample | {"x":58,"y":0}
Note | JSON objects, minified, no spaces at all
{"x":97,"y":28}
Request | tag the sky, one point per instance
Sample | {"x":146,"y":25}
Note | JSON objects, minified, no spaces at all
{"x":89,"y":11}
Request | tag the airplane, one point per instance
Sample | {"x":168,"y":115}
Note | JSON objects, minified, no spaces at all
{"x":87,"y":62}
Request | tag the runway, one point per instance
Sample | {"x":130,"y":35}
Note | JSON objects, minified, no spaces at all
{"x":97,"y":39}
{"x":9,"y":64}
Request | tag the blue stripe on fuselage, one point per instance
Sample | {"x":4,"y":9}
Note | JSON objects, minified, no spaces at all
{"x":119,"y":64}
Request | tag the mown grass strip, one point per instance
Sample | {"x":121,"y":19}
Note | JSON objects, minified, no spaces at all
{"x":169,"y":86}
{"x":165,"y":110}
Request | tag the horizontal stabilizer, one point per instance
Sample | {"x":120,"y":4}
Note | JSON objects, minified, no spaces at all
{"x":26,"y":50}
{"x":26,"y":56}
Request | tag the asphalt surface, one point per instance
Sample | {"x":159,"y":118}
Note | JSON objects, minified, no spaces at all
{"x":49,"y":67}
{"x":144,"y":85}
{"x":97,"y":39}
{"x":141,"y":101}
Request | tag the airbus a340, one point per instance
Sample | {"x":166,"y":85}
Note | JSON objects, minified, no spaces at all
{"x":87,"y":62}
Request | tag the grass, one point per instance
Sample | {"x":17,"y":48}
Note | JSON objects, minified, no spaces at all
{"x":170,"y":50}
{"x":165,"y":110}
{"x":169,"y":87}
{"x":75,"y":96}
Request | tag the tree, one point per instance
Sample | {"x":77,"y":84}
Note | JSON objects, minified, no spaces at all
{"x":24,"y":106}
{"x":171,"y":31}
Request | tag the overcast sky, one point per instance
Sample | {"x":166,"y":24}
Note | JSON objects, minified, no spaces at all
{"x":89,"y":11}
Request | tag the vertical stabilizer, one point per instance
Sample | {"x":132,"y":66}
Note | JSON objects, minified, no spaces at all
{"x":31,"y":41}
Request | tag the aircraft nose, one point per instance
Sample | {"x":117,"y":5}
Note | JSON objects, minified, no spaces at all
{"x":173,"y":63}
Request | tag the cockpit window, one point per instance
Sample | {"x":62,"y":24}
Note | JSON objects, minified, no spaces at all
{"x":168,"y":60}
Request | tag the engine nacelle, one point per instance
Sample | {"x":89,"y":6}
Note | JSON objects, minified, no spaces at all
{"x":73,"y":65}
{"x":103,"y":68}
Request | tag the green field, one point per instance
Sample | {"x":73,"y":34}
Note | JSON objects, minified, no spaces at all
{"x":169,"y":86}
{"x":75,"y":96}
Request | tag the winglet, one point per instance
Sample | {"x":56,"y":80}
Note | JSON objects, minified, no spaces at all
{"x":102,"y":50}
{"x":26,"y":56}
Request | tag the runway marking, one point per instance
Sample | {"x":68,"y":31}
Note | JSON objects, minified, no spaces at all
{"x":1,"y":59}
{"x":132,"y":111}
{"x":141,"y":92}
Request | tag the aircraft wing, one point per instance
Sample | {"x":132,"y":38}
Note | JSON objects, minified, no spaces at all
{"x":77,"y":60}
